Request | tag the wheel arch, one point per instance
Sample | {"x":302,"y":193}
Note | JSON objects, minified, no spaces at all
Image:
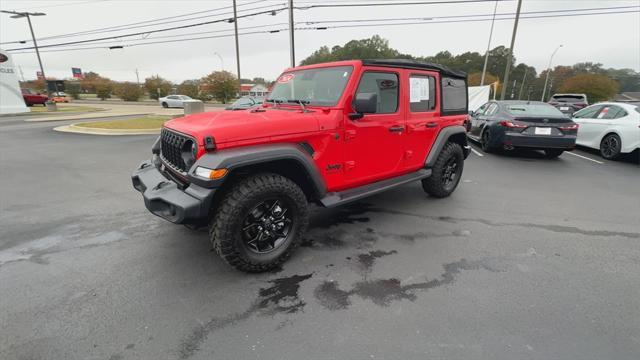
{"x":456,"y":134}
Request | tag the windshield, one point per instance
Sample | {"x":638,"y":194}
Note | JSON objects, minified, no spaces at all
{"x":569,"y":98}
{"x":533,"y":110}
{"x":322,"y":86}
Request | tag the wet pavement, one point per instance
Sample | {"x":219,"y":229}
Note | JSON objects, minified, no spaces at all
{"x":529,"y":259}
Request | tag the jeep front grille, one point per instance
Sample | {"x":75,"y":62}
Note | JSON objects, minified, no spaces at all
{"x":171,"y":145}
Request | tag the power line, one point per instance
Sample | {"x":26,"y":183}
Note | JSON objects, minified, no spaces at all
{"x":369,"y":4}
{"x":338,"y":26}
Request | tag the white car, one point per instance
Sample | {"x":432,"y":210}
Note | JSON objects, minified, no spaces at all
{"x":173,"y":101}
{"x":611,"y":127}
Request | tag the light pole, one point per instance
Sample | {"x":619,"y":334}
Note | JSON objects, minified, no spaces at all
{"x":221,"y":59}
{"x":510,"y":55}
{"x":546,"y":81}
{"x":17,"y":15}
{"x":235,"y":26}
{"x":291,"y":40}
{"x":486,"y":55}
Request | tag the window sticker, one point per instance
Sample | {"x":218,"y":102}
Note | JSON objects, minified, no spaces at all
{"x":603,"y":113}
{"x":414,"y":89}
{"x":424,"y":89}
{"x":285,"y":78}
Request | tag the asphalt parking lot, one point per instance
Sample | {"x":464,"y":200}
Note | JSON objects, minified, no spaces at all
{"x":529,"y":259}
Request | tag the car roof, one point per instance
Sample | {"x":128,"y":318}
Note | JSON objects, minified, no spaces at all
{"x":397,"y":63}
{"x":626,"y":105}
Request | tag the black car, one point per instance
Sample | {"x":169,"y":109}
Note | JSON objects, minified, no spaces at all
{"x":245,"y":102}
{"x":523,"y":124}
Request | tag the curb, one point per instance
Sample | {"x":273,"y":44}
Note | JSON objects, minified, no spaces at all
{"x":75,"y":117}
{"x":109,"y":132}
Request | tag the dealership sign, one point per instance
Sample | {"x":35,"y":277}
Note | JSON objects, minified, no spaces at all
{"x":11,"y":100}
{"x":77,"y":73}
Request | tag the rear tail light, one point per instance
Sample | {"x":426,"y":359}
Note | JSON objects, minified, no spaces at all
{"x":510,"y":124}
{"x":570,"y":127}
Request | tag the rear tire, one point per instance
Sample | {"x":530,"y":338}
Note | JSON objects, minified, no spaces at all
{"x":610,"y":146}
{"x":552,"y":153}
{"x":165,"y":105}
{"x":447,"y":172}
{"x":259,"y":222}
{"x":485,"y":141}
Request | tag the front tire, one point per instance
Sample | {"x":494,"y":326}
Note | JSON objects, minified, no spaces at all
{"x":259,"y":222}
{"x":447,"y":172}
{"x":552,"y":153}
{"x":165,"y":105}
{"x":610,"y":146}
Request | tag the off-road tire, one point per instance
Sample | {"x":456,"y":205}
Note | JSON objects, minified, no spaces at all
{"x":435,"y":185}
{"x":227,"y":222}
{"x":552,"y":153}
{"x":165,"y":105}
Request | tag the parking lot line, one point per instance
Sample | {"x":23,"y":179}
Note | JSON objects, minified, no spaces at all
{"x":476,"y":152}
{"x":586,"y":158}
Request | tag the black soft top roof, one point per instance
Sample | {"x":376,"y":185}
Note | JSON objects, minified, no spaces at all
{"x":413,"y":64}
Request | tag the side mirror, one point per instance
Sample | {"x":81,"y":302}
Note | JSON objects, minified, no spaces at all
{"x":472,"y":113}
{"x":364,"y":103}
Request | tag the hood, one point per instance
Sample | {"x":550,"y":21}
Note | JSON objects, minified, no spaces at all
{"x":226,"y":126}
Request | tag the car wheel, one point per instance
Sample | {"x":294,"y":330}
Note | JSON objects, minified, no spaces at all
{"x":446,"y":172}
{"x":552,"y":153}
{"x":610,"y":146}
{"x":259,"y":222}
{"x":485,"y":141}
{"x":165,"y":105}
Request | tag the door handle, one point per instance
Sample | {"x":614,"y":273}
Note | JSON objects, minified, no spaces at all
{"x":396,"y":129}
{"x":432,"y":124}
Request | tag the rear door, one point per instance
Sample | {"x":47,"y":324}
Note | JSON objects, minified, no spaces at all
{"x":374,"y":144}
{"x":423,"y":116}
{"x":588,"y":130}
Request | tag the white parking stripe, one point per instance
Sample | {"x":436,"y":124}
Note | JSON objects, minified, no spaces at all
{"x":476,"y":152}
{"x":584,"y":157}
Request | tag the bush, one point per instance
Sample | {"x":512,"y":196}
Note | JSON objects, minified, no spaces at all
{"x":104,"y":89}
{"x":73,"y":89}
{"x":128,"y":91}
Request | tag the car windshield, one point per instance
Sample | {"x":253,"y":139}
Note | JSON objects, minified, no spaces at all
{"x":322,"y":86}
{"x":569,"y":98}
{"x":533,"y":110}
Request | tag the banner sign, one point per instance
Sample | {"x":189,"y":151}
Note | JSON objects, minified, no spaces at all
{"x":77,"y":73}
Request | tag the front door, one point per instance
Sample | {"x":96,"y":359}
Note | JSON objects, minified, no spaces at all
{"x":374,"y":144}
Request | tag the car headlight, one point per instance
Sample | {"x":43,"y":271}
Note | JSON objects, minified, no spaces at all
{"x":189,"y":151}
{"x":212,"y":174}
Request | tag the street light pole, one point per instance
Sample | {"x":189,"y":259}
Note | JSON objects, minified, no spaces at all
{"x":291,"y":39}
{"x":546,"y":80}
{"x":486,"y":55}
{"x":28,"y":15}
{"x":235,"y":25}
{"x":513,"y":40}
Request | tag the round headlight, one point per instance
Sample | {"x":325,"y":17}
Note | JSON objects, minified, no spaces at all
{"x":188,"y":152}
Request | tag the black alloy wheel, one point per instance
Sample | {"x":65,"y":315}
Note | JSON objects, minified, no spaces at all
{"x":486,"y":140}
{"x":610,"y":146}
{"x":450,"y":172}
{"x":267,"y":226}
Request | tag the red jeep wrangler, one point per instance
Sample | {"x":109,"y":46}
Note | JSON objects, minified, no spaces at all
{"x":329,"y":134}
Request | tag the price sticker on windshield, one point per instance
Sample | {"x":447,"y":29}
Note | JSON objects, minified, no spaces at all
{"x":285,"y":78}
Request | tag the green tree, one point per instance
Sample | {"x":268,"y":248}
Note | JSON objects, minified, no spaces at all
{"x":597,"y":87}
{"x":191,"y":88}
{"x":628,"y":79}
{"x":90,"y":80}
{"x":372,"y":48}
{"x":221,"y":85}
{"x":157,"y":87}
{"x":104,"y":88}
{"x":73,"y":88}
{"x":128,"y":91}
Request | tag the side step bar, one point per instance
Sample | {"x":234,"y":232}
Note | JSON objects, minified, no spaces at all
{"x":339,"y":198}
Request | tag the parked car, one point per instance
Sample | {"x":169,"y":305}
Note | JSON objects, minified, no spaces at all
{"x":32,"y":97}
{"x":569,"y":103}
{"x":329,"y":134}
{"x":523,"y":124}
{"x":611,"y":127}
{"x":173,"y":101}
{"x":245,"y":102}
{"x":60,"y":99}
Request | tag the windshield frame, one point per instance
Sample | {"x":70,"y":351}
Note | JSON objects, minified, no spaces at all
{"x":281,"y":101}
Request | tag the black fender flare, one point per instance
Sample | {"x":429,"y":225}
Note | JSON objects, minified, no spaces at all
{"x":236,"y":158}
{"x":457,"y":132}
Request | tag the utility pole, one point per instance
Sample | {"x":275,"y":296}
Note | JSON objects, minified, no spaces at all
{"x":486,"y":55}
{"x":524,"y":77}
{"x":513,"y":89}
{"x":546,"y":80}
{"x":291,"y":39}
{"x":235,"y":25}
{"x":137,"y":78}
{"x":510,"y":55}
{"x":17,"y":15}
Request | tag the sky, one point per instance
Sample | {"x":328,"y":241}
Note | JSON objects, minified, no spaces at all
{"x":610,"y":39}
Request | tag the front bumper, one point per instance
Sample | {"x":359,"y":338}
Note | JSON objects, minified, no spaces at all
{"x":165,"y":198}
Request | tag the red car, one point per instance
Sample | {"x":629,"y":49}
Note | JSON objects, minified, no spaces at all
{"x":329,"y":134}
{"x":31,"y":97}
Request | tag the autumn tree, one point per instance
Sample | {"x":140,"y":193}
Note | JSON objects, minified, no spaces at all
{"x":128,"y":91}
{"x":103,"y":88}
{"x":221,"y":85}
{"x":597,"y":87}
{"x":157,"y":87}
{"x":191,"y":88}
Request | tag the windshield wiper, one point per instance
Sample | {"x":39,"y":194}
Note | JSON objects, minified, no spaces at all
{"x":301,"y":102}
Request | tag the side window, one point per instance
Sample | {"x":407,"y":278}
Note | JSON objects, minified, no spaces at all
{"x":422,"y":93}
{"x":454,"y":96}
{"x":492,"y":109}
{"x":614,"y":112}
{"x":587,"y":113}
{"x":482,"y":109}
{"x":385,"y":85}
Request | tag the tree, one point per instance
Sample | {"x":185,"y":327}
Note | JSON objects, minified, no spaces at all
{"x":90,"y":80}
{"x":259,"y":80}
{"x":191,"y":88}
{"x":73,"y":88}
{"x":128,"y":91}
{"x":104,"y":88}
{"x":157,"y":87}
{"x":222,"y":85}
{"x":372,"y":48}
{"x":596,"y":87}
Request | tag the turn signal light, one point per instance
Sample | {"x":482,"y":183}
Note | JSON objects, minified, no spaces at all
{"x":213,"y":174}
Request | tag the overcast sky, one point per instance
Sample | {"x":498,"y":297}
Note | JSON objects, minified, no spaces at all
{"x":612,"y":39}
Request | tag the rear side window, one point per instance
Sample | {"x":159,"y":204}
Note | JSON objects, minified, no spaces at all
{"x":422,"y":93}
{"x":533,"y":110}
{"x":588,"y":113}
{"x":454,"y":96}
{"x":385,"y":85}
